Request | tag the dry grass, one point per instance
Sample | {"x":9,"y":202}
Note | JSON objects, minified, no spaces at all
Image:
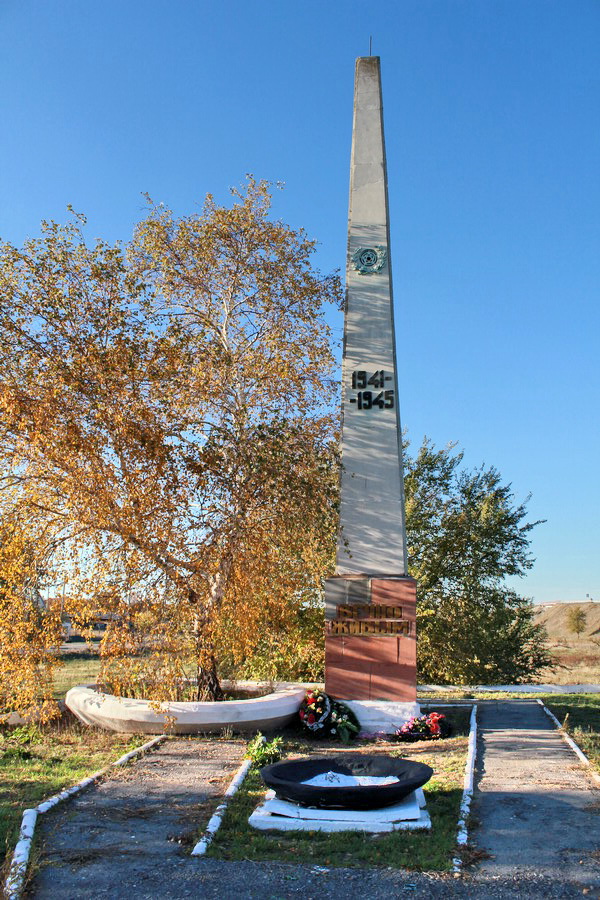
{"x":577,"y":658}
{"x":78,"y":667}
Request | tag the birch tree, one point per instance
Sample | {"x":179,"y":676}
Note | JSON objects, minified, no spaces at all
{"x":166,"y":413}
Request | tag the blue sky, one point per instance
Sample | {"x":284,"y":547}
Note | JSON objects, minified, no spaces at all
{"x":493,"y":141}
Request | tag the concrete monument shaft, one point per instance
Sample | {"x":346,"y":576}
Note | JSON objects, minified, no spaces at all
{"x":371,"y":601}
{"x":372,"y":494}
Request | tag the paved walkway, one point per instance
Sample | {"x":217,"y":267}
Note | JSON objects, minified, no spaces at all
{"x":538,"y":806}
{"x":130,"y":835}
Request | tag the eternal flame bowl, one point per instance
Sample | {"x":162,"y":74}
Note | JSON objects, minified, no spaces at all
{"x":354,"y":781}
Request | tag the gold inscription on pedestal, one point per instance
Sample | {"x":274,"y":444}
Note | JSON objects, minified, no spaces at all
{"x":369,"y":619}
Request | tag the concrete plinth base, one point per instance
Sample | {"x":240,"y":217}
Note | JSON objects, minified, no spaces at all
{"x":280,"y":815}
{"x":382,"y":715}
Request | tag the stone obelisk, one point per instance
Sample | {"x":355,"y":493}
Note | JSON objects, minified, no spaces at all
{"x":370,"y":602}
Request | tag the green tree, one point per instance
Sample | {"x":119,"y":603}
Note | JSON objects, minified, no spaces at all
{"x":576,"y":620}
{"x":465,"y":535}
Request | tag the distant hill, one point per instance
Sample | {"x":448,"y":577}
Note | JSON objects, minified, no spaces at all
{"x":554,"y":617}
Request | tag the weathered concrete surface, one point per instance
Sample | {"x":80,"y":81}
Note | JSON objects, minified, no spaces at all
{"x":372,"y":537}
{"x":129,"y":834}
{"x":538,"y":808}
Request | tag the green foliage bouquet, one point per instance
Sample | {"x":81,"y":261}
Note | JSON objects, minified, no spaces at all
{"x":343,"y":723}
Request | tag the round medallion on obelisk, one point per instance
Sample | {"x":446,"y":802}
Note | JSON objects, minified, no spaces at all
{"x":367,"y":260}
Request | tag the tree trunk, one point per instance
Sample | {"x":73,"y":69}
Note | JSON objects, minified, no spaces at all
{"x":208,"y":685}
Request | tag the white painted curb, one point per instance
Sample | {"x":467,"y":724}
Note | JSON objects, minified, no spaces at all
{"x":15,"y":879}
{"x":465,"y":806}
{"x":216,"y":818}
{"x":569,"y":740}
{"x":16,"y":874}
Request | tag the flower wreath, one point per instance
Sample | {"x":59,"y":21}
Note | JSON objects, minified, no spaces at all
{"x":323,"y":717}
{"x":315,"y":711}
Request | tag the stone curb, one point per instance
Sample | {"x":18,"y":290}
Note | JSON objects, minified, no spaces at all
{"x":215,"y":821}
{"x":465,"y":805}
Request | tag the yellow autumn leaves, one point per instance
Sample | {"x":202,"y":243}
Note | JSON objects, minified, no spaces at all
{"x":168,"y":434}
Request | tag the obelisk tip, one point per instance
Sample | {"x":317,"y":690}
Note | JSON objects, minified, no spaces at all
{"x":367,"y":62}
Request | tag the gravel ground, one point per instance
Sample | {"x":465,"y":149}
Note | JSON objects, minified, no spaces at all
{"x":254,"y":881}
{"x":130,"y":835}
{"x":210,"y":878}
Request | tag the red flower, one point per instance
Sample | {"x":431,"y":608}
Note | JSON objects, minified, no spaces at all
{"x":310,"y":719}
{"x":301,"y":713}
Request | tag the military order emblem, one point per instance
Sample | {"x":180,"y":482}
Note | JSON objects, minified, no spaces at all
{"x":367,"y":260}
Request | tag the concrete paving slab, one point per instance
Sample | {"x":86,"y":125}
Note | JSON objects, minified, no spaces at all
{"x":538,"y":808}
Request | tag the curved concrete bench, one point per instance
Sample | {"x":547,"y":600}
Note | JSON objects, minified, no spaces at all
{"x":126,"y":714}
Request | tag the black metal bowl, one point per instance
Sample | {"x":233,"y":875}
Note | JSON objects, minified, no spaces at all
{"x":286,"y":779}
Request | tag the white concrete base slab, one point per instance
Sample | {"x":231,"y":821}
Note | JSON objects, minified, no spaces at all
{"x":125,"y":714}
{"x":409,"y":808}
{"x":512,"y":688}
{"x":280,"y":815}
{"x":382,"y":715}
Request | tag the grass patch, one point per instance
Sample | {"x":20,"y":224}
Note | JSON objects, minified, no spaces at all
{"x":580,"y":716}
{"x":54,"y":757}
{"x":419,"y":851}
{"x":75,"y":668}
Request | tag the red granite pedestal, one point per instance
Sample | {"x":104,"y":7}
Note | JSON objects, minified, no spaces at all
{"x":370,"y":641}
